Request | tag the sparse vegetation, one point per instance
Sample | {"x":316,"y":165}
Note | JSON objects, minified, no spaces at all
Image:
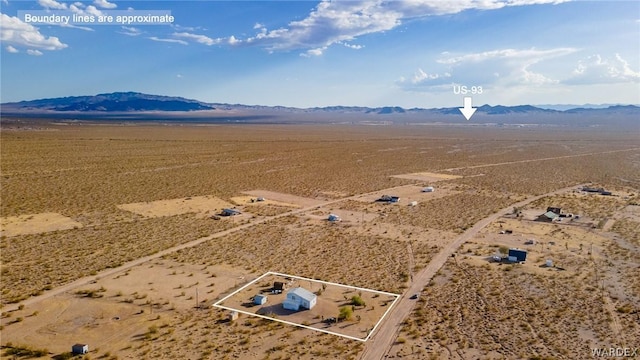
{"x":345,"y":313}
{"x":542,"y":314}
{"x":24,"y":351}
{"x":357,"y":301}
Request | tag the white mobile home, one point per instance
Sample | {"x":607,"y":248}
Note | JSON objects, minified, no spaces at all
{"x":299,"y":298}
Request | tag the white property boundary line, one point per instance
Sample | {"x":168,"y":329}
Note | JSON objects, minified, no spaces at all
{"x":217,"y":304}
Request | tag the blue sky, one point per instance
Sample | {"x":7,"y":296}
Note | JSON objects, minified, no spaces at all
{"x":310,"y":53}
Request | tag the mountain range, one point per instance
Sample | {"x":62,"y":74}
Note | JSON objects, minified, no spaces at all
{"x":139,"y":106}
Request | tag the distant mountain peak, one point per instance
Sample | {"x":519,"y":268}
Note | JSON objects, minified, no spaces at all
{"x":113,"y":102}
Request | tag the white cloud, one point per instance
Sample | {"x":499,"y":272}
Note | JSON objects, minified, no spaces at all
{"x":185,"y":28}
{"x":11,"y":49}
{"x":130,"y":31}
{"x":533,"y":55}
{"x":202,"y":39}
{"x":71,"y":26}
{"x":92,"y":10}
{"x":333,"y":22}
{"x":52,"y":4}
{"x":34,"y":52}
{"x":505,"y":67}
{"x":232,"y":40}
{"x":597,"y":70}
{"x":352,"y":46}
{"x":329,"y":23}
{"x":14,"y":31}
{"x":314,"y":52}
{"x":179,"y":76}
{"x":80,"y":9}
{"x":421,"y":76}
{"x":154,"y":38}
{"x":104,"y":4}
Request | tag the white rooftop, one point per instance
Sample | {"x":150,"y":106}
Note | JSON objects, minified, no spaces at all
{"x":303,"y":293}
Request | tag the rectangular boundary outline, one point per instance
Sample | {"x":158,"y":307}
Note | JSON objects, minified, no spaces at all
{"x":397,"y":297}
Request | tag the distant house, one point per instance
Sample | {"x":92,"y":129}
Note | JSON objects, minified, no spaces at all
{"x":230,"y":212}
{"x":388,"y":199}
{"x":592,"y":190}
{"x":80,"y":349}
{"x":549,"y":216}
{"x":333,"y":217}
{"x":299,"y":298}
{"x":260,"y":299}
{"x":519,"y":255}
{"x":260,"y":198}
{"x":428,"y":189}
{"x":555,"y":210}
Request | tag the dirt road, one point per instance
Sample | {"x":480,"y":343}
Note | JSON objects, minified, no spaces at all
{"x":380,"y":343}
{"x":109,"y":272}
{"x":535,"y":160}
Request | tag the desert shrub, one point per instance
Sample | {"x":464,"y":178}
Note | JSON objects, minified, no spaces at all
{"x":345,"y":313}
{"x":357,"y":301}
{"x":25,"y":351}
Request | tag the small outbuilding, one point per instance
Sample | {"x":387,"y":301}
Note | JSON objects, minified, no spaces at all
{"x":80,"y":349}
{"x":260,"y":299}
{"x":428,"y":189}
{"x":519,"y":255}
{"x":556,"y":210}
{"x":233,"y":316}
{"x":230,"y":212}
{"x":333,"y":218}
{"x":413,"y":203}
{"x":278,"y":286}
{"x":549,"y":216}
{"x":592,"y":189}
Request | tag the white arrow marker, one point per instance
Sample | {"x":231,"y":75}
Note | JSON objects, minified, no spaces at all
{"x":467,"y":110}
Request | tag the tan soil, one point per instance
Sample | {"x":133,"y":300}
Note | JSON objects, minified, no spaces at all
{"x":35,"y":224}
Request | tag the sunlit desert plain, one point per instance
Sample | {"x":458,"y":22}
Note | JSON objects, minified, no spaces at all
{"x":112,"y":236}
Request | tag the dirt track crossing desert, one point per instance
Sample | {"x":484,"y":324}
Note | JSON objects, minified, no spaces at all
{"x":160,"y":222}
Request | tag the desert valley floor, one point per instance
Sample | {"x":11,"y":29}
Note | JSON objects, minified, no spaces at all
{"x":112,"y":236}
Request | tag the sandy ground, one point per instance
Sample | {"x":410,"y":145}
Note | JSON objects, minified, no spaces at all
{"x":195,"y":204}
{"x":427,"y":176}
{"x":574,"y":249}
{"x":285,"y":198}
{"x":125,"y":306}
{"x":331,"y":298}
{"x":407,"y":194}
{"x":631,"y":212}
{"x":246,"y":200}
{"x":161,"y":287}
{"x":346,"y":216}
{"x":35,"y":224}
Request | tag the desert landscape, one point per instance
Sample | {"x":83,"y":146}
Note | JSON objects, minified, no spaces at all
{"x":123,"y":236}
